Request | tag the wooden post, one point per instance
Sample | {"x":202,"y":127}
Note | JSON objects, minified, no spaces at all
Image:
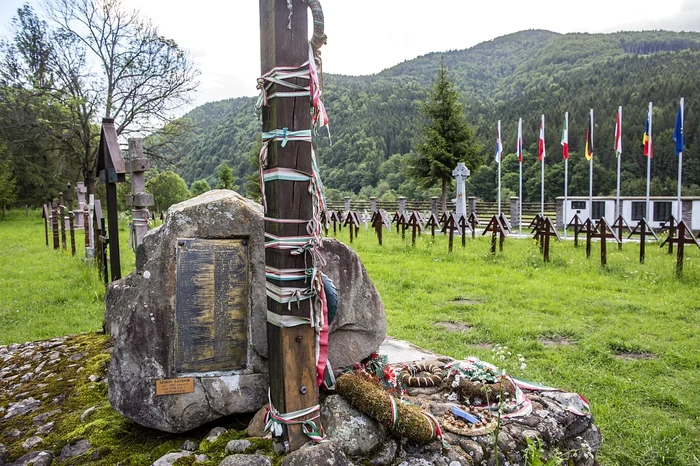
{"x":671,"y":233}
{"x":291,"y":353}
{"x":643,"y":230}
{"x":577,"y":226}
{"x":97,"y":243}
{"x":46,"y":222}
{"x":71,"y":219}
{"x":139,"y":200}
{"x":112,"y":170}
{"x":449,"y":228}
{"x":104,"y":239}
{"x":473,"y":222}
{"x":62,"y":220}
{"x":378,"y":224}
{"x":54,"y":225}
{"x":86,"y":223}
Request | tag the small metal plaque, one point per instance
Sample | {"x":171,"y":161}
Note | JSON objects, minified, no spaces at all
{"x":212,"y":305}
{"x":174,"y":386}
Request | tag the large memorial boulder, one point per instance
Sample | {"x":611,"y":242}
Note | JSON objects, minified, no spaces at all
{"x":189,"y":323}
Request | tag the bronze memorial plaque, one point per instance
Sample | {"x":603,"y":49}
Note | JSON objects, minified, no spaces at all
{"x":212,"y":305}
{"x":174,"y":386}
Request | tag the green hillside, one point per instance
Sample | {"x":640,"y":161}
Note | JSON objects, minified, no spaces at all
{"x":374,"y":119}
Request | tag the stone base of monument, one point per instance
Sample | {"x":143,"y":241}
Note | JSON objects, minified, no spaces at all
{"x":356,"y":438}
{"x":189,"y":325}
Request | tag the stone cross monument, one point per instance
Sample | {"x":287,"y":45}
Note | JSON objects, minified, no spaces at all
{"x":461,"y":173}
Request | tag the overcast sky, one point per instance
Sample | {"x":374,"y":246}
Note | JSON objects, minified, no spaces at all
{"x":367,"y":37}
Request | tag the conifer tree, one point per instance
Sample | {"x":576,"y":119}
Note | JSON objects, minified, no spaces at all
{"x":446,"y":139}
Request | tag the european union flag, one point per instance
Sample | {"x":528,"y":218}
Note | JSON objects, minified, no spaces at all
{"x":678,"y":132}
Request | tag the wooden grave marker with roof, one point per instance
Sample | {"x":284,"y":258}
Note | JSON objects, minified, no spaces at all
{"x":684,"y":236}
{"x":642,"y":229}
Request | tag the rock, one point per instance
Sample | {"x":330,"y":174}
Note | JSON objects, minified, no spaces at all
{"x":14,"y":433}
{"x":46,"y":428}
{"x":215,"y":433}
{"x":386,"y":454}
{"x":77,"y":356}
{"x":360,"y":324}
{"x":416,"y":462}
{"x":34,"y":458}
{"x":170,"y":458}
{"x":246,"y":460}
{"x":74,"y":449}
{"x":357,"y":433}
{"x":94,"y":378}
{"x":31,"y":442}
{"x":140,"y":316}
{"x":189,"y":445}
{"x":237,"y":446}
{"x":4,"y":453}
{"x":87,"y":413}
{"x":21,"y":407}
{"x":201,"y":458}
{"x":41,"y":418}
{"x":256,"y":427}
{"x":323,"y":454}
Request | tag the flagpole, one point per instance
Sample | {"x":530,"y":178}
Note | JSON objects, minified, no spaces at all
{"x":542,"y":181}
{"x":619,"y":156}
{"x":566,"y":172}
{"x":649,"y":156}
{"x":590,"y":174}
{"x":520,"y":159}
{"x":499,"y":156}
{"x":680,"y":168}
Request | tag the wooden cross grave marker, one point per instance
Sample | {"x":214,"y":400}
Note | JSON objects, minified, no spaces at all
{"x":463,"y":225}
{"x":505,"y":223}
{"x":497,"y":231}
{"x":45,"y":214}
{"x":353,"y":222}
{"x":621,"y":225}
{"x":577,"y":226}
{"x":71,"y":218}
{"x":671,"y":227}
{"x":62,"y":217}
{"x":542,"y":233}
{"x":54,"y":225}
{"x":604,"y":231}
{"x":589,"y":228}
{"x":642,"y":229}
{"x":379,"y":221}
{"x":473,"y":223}
{"x":449,"y":227}
{"x":414,"y":221}
{"x":684,"y":236}
{"x":112,"y":170}
{"x":536,"y":230}
{"x":432,"y":223}
{"x":324,"y":222}
{"x":336,"y":220}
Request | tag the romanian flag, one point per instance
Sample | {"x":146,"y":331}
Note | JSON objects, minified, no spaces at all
{"x":618,"y":133}
{"x":519,"y":143}
{"x":646,"y":140}
{"x":589,"y":138}
{"x":565,"y":137}
{"x":540,"y":147}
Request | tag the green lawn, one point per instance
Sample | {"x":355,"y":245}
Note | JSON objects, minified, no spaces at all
{"x":626,"y":336}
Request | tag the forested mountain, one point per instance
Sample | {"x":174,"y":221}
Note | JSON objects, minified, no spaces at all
{"x":375,"y":120}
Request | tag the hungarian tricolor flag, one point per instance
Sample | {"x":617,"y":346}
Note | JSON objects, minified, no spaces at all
{"x":565,"y":139}
{"x":618,"y":133}
{"x":646,"y":140}
{"x":519,"y":143}
{"x":589,"y":139}
{"x":540,"y":147}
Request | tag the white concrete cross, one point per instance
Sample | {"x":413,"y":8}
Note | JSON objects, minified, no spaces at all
{"x":461,"y":173}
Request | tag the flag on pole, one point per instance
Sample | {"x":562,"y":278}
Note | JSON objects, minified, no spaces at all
{"x":499,"y":144}
{"x":618,"y":133}
{"x":565,"y":139}
{"x":646,"y":140}
{"x":589,"y":139}
{"x":540,"y":147}
{"x":678,"y":131}
{"x":519,"y":143}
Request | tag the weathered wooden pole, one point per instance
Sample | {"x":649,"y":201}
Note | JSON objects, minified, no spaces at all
{"x":288,"y":171}
{"x":62,"y":222}
{"x":86,"y":227}
{"x":46,"y":222}
{"x":139,"y":200}
{"x":671,"y":232}
{"x":71,"y":219}
{"x":54,"y":225}
{"x":681,"y":249}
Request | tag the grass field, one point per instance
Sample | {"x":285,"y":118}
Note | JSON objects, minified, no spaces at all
{"x":626,"y":336}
